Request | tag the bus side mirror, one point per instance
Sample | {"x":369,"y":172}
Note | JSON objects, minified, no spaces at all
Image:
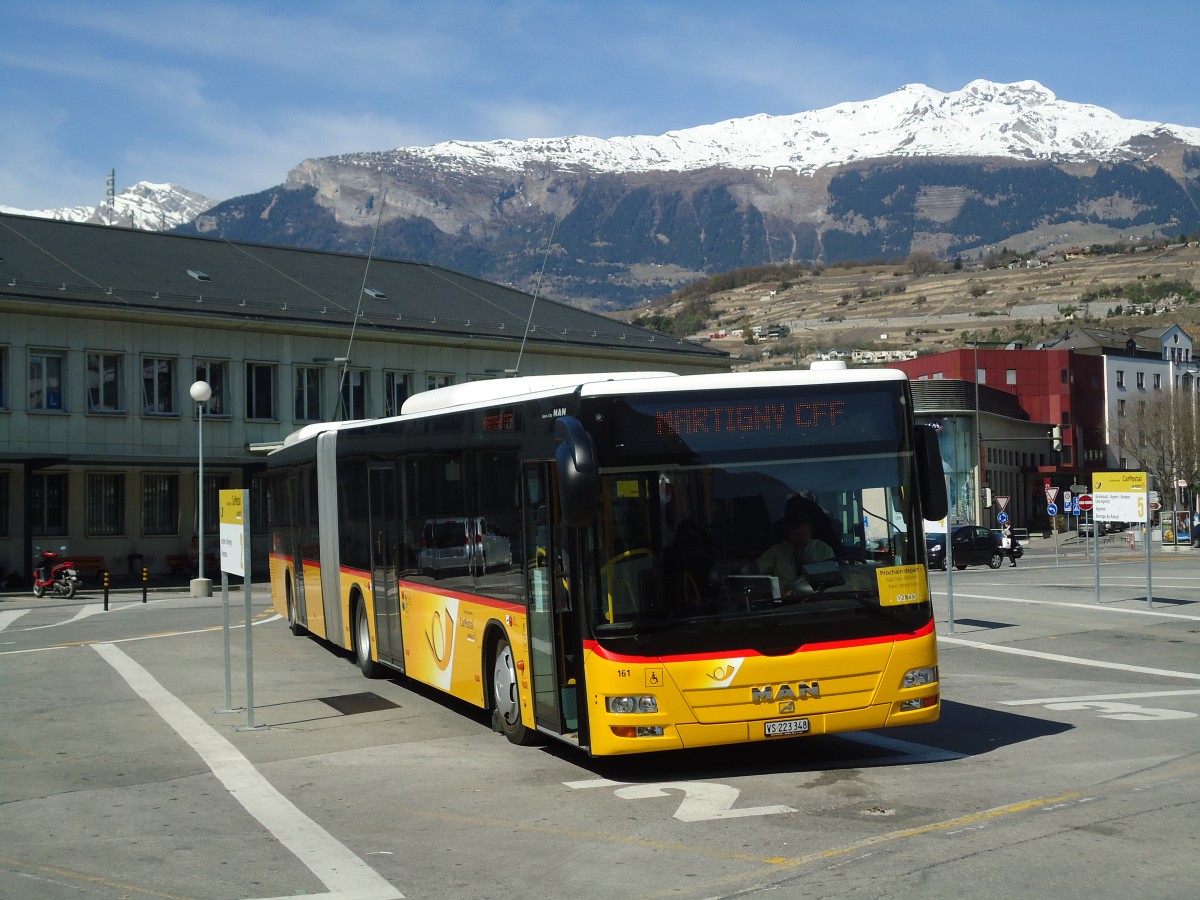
{"x":931,"y":478}
{"x":578,"y":482}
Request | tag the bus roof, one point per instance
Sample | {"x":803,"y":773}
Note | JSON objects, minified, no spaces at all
{"x":753,"y":380}
{"x":481,"y":393}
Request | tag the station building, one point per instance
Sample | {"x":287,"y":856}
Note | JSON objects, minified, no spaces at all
{"x":103,"y":332}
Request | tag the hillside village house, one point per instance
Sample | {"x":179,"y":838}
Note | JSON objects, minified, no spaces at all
{"x":104,"y":330}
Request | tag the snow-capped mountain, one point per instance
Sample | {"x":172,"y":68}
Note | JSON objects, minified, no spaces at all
{"x":148,"y":206}
{"x":1020,"y":121}
{"x":616,"y":221}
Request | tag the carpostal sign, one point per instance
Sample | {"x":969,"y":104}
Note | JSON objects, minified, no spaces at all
{"x":1119,"y":496}
{"x":234,"y":527}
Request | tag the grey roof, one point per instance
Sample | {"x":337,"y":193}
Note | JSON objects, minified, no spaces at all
{"x":97,"y":266}
{"x":1102,"y":341}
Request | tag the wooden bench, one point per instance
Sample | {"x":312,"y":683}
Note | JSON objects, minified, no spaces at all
{"x":95,"y":564}
{"x":183,"y":564}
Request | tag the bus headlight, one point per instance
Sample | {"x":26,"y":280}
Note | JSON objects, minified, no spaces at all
{"x":917,"y":677}
{"x":641,"y":703}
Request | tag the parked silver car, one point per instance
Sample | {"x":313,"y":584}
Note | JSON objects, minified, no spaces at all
{"x":459,"y":542}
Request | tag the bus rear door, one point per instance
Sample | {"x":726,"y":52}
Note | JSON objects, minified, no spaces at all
{"x":385,"y":562}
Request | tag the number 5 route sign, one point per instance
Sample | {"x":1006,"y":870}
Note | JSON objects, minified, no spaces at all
{"x":1119,"y":496}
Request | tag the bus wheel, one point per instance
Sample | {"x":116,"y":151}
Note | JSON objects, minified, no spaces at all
{"x":294,"y":625}
{"x":362,"y":642}
{"x":506,"y":696}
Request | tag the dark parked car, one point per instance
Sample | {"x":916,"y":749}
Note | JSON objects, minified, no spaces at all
{"x":973,"y":546}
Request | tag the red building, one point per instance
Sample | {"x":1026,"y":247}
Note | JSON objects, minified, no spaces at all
{"x":1015,"y":454}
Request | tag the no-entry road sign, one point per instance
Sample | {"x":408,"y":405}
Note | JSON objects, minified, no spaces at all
{"x":1085,"y":502}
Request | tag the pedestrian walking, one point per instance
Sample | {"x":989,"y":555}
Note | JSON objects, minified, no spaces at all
{"x":1010,"y":544}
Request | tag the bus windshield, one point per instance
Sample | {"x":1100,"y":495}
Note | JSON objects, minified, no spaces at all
{"x":757,"y":526}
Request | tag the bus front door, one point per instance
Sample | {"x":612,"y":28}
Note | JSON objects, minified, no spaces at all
{"x":385,"y":563}
{"x":553,"y":632}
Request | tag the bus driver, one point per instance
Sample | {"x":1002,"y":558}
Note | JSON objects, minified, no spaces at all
{"x":799,"y":548}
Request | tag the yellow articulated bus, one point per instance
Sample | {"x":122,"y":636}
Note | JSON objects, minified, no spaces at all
{"x":627,"y":562}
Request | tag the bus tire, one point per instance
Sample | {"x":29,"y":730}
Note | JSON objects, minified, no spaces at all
{"x":294,"y":625}
{"x":506,"y":696}
{"x":362,"y":642}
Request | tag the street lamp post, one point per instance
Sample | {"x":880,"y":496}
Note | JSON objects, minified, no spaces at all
{"x":200,"y":391}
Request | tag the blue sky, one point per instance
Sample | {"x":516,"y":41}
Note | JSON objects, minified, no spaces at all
{"x":224,"y":98}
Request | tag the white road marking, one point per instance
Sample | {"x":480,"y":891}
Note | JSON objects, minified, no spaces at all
{"x":1160,"y":613}
{"x":343,"y":873}
{"x":9,"y":616}
{"x":1074,"y":660}
{"x":1140,"y":695}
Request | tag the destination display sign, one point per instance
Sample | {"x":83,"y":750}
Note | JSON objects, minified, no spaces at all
{"x":737,"y":423}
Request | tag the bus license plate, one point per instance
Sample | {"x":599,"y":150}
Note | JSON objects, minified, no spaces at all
{"x":788,"y":726}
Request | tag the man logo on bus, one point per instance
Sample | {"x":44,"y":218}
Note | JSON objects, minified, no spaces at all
{"x":785,"y":692}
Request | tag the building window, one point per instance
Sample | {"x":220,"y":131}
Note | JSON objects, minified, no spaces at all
{"x":1062,"y":376}
{"x":395,"y":391}
{"x":1120,"y":437}
{"x":48,"y":502}
{"x":1157,"y":381}
{"x":104,"y":387}
{"x":981,"y":376}
{"x":1120,"y":409}
{"x":160,"y":504}
{"x":47,"y":371}
{"x":213,"y":485}
{"x":308,"y":394}
{"x":216,"y":373}
{"x":3,"y":378}
{"x":435,"y":380}
{"x":4,"y":526}
{"x":158,"y":386}
{"x":260,"y":391}
{"x":105,"y":504}
{"x":1120,"y":378}
{"x":355,"y":400}
{"x":1141,"y":381}
{"x":1010,"y":376}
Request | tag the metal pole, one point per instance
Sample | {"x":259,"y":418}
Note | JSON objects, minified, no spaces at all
{"x":200,"y":391}
{"x":225,"y":634}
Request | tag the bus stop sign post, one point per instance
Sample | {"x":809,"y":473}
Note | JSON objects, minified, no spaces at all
{"x":229,"y":707}
{"x":235,"y":560}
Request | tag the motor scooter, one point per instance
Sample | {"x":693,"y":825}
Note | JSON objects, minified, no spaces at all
{"x":52,"y":572}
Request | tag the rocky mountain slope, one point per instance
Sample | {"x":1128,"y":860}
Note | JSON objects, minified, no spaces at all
{"x":619,"y":220}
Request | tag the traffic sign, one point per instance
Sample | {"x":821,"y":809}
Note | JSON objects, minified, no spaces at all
{"x":1002,"y":518}
{"x":1085,"y":502}
{"x":1051,"y":495}
{"x":1051,"y":509}
{"x":1155,"y":506}
{"x":1002,"y":502}
{"x":1074,"y":506}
